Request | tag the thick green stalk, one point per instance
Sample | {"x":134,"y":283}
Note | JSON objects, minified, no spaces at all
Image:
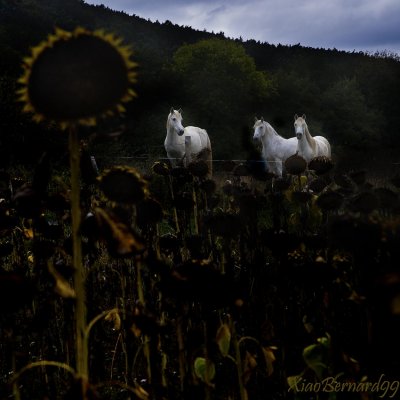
{"x":81,"y":347}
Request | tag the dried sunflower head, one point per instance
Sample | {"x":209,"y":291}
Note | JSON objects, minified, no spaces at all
{"x":123,"y":184}
{"x":295,"y":164}
{"x":330,"y":200}
{"x":321,"y":165}
{"x":317,"y":185}
{"x":241,"y":170}
{"x":209,"y":186}
{"x":364,"y":202}
{"x":149,"y":212}
{"x":198,"y":168}
{"x":161,"y":168}
{"x":358,"y":177}
{"x":75,"y":77}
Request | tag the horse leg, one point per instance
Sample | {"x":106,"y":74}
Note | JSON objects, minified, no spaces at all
{"x":171,"y":161}
{"x":275,"y":168}
{"x":278,"y":168}
{"x":183,"y":161}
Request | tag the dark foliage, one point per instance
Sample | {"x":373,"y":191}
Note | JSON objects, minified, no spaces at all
{"x":196,"y":288}
{"x":350,"y":97}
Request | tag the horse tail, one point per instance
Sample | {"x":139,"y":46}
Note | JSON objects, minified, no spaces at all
{"x":210,"y":159}
{"x":329,"y":149}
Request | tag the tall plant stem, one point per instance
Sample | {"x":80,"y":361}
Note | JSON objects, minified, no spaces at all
{"x":207,"y":370}
{"x":146,"y":344}
{"x":195,"y":212}
{"x":239,"y":367}
{"x":81,"y":347}
{"x":171,"y":188}
{"x":181,"y":350}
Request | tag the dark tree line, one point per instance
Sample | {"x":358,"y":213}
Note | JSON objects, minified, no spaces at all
{"x":220,"y":83}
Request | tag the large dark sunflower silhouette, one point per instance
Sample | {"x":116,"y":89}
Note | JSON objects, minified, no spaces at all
{"x":72,"y":78}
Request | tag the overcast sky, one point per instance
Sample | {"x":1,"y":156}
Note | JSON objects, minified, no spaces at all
{"x":361,"y":25}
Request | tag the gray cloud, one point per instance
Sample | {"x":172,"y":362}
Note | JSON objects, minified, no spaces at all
{"x":343,"y":24}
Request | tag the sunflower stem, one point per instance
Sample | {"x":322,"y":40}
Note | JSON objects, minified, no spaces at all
{"x":239,"y":367}
{"x":181,"y":352}
{"x":81,"y":347}
{"x":195,"y":212}
{"x":208,"y":366}
{"x":146,"y":340}
{"x":171,"y":188}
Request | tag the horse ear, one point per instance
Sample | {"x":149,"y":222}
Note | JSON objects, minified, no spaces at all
{"x":262,"y":119}
{"x":171,"y":110}
{"x":255,"y":119}
{"x":295,"y":117}
{"x":304,"y":117}
{"x":180,"y":111}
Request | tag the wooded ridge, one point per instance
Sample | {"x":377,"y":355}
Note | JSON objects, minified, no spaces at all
{"x":220,"y":83}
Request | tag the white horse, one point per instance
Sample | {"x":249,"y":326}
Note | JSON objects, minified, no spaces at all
{"x":200,"y":145}
{"x":275,"y":148}
{"x":308,"y":146}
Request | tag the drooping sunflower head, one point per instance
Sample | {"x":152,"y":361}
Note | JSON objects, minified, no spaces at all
{"x":295,"y":164}
{"x":75,"y":77}
{"x":123,"y":184}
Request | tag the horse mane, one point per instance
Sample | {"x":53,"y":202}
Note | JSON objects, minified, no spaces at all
{"x":267,"y":125}
{"x":309,"y":138}
{"x":166,"y":124}
{"x":272,"y":128}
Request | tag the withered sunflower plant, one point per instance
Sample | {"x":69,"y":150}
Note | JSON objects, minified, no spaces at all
{"x":69,"y":80}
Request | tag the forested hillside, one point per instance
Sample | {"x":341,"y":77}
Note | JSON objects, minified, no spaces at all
{"x":221,"y":84}
{"x":137,"y":280}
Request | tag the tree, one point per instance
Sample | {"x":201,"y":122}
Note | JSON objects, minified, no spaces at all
{"x":347,"y":116}
{"x":222,"y":84}
{"x":220,"y":75}
{"x":297,"y":94}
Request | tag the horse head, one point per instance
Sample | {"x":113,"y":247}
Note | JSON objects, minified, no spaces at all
{"x":259,"y":129}
{"x":175,"y":121}
{"x":300,"y":126}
